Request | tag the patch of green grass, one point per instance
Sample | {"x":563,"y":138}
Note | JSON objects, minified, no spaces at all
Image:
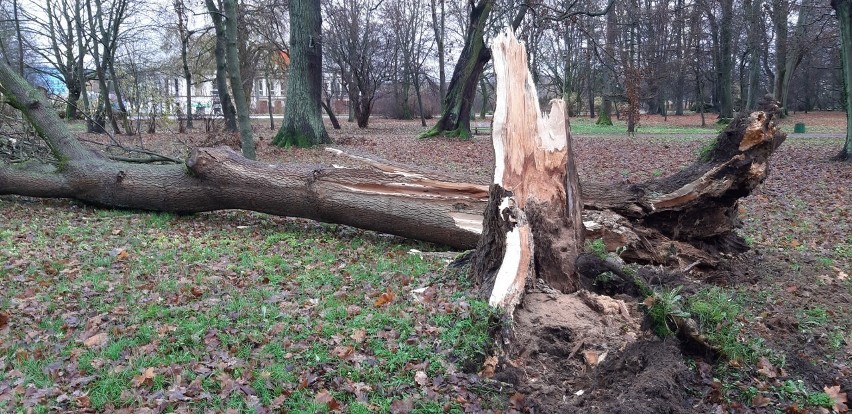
{"x":797,"y":392}
{"x":266,"y":306}
{"x":468,"y":335}
{"x":716,"y":312}
{"x":586,"y":126}
{"x":813,"y":317}
{"x":662,"y":308}
{"x":705,"y":150}
{"x":598,"y":247}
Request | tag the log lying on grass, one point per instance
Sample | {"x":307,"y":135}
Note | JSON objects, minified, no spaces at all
{"x":686,"y":218}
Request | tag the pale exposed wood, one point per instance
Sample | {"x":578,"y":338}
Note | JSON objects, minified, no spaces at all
{"x":536,"y":226}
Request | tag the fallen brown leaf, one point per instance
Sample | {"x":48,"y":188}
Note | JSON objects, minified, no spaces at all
{"x":489,"y":367}
{"x":420,"y":378}
{"x":83,"y":401}
{"x":4,"y":319}
{"x":146,"y":378}
{"x":591,"y":357}
{"x":766,"y":368}
{"x":324,"y":397}
{"x":759,"y":401}
{"x":196,"y":291}
{"x":839,"y":398}
{"x":97,"y":340}
{"x":384,"y":299}
{"x":358,"y":335}
{"x":403,"y":406}
{"x":343,"y":352}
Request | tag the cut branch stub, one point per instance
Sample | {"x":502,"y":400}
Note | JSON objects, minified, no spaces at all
{"x":532,"y":226}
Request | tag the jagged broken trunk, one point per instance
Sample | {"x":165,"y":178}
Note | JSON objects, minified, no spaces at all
{"x":532,"y":226}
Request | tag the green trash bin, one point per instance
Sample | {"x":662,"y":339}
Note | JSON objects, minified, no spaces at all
{"x":799,"y":128}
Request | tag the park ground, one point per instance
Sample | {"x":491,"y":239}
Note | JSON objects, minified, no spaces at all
{"x":232,"y":311}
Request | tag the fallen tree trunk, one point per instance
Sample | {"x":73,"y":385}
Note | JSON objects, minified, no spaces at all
{"x":687,"y":218}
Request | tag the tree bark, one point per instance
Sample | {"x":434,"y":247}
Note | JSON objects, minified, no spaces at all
{"x":682,"y":219}
{"x":438,"y":26}
{"x":843,"y":11}
{"x":233,"y":64}
{"x":229,"y":112}
{"x":458,"y":102}
{"x":533,"y":226}
{"x":753,"y":11}
{"x":780,"y":13}
{"x":184,"y":34}
{"x":726,"y":60}
{"x":302,"y":125}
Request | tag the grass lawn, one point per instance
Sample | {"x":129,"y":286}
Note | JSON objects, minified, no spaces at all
{"x":226,"y":311}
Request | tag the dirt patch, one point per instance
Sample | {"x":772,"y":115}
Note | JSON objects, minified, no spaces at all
{"x":588,"y":353}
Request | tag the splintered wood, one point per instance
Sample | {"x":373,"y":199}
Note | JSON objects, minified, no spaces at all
{"x":532,"y":227}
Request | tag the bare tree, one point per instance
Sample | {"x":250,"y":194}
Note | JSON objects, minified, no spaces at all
{"x":843,"y":12}
{"x":726,"y":59}
{"x":302,"y":125}
{"x":356,"y":44}
{"x":60,"y":33}
{"x":753,"y":12}
{"x":413,"y":45}
{"x":228,"y":110}
{"x":106,"y":21}
{"x":184,"y":34}
{"x":233,"y":65}
{"x":438,"y":12}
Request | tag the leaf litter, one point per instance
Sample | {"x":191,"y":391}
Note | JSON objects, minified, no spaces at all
{"x":65,"y":287}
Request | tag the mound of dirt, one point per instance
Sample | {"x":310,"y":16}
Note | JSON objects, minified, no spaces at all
{"x":588,"y":353}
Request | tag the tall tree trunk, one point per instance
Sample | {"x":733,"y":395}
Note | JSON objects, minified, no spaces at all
{"x":184,"y":34}
{"x":780,"y":10}
{"x":104,"y":111}
{"x":753,"y":12}
{"x":229,"y":112}
{"x":302,"y":125}
{"x":590,"y":84}
{"x":455,"y":120}
{"x":605,"y":114}
{"x":119,"y":98}
{"x":680,"y":51}
{"x":483,"y":88}
{"x":419,"y":98}
{"x":726,"y":60}
{"x":438,"y":25}
{"x":326,"y":105}
{"x":795,"y":50}
{"x":269,"y":101}
{"x":843,"y":11}
{"x":81,"y":53}
{"x":19,"y":37}
{"x":240,"y":99}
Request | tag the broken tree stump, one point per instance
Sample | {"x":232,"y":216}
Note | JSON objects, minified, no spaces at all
{"x":532,"y":226}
